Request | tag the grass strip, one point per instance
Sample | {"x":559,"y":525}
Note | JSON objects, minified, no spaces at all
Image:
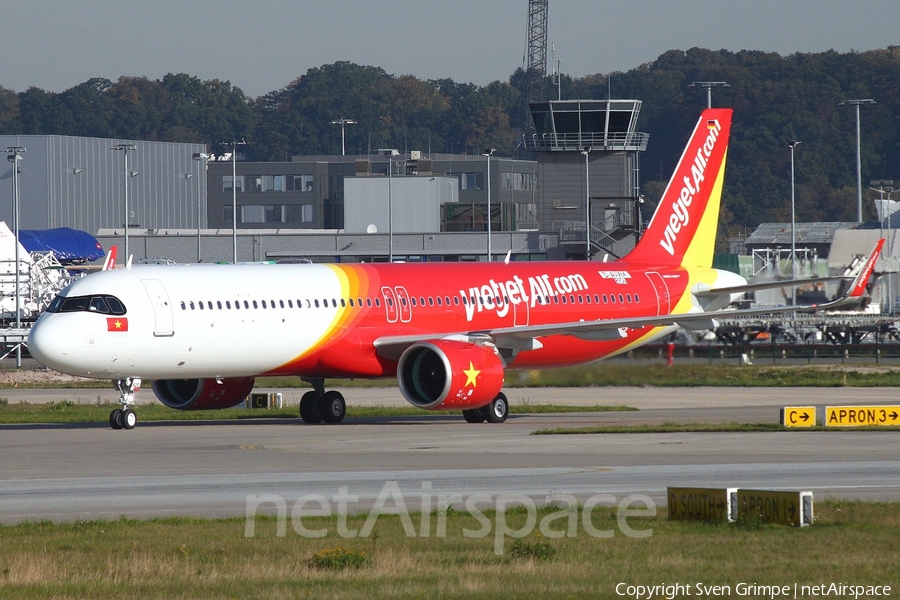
{"x":851,"y":542}
{"x":66,"y":411}
{"x":621,"y":373}
{"x":698,"y":428}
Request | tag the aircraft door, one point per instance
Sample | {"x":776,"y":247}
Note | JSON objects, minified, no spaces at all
{"x":390,"y":304}
{"x":403,"y":304}
{"x":162,"y":310}
{"x":663,"y":306}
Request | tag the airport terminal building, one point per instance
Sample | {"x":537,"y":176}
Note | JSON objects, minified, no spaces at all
{"x":345,"y":208}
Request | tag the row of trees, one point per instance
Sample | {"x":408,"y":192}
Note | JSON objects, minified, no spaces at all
{"x":776,"y":99}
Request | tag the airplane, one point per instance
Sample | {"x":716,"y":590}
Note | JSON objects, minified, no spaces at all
{"x":202,"y":333}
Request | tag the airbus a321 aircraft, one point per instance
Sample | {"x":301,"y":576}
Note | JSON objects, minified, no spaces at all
{"x":202,"y":333}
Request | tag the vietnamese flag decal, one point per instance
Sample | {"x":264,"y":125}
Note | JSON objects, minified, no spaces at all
{"x":116,"y":324}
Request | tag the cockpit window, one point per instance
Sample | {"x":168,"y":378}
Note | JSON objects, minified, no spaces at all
{"x":107,"y":305}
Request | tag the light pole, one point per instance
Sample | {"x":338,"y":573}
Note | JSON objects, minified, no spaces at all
{"x":488,"y":152}
{"x":234,"y":145}
{"x":342,"y":121}
{"x":124,"y":148}
{"x":201,"y":158}
{"x":13,"y":156}
{"x":792,"y":145}
{"x":390,"y":153}
{"x":587,"y":202}
{"x":709,"y":85}
{"x":857,"y":103}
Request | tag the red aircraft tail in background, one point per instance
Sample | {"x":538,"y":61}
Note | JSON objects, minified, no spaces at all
{"x":110,"y":262}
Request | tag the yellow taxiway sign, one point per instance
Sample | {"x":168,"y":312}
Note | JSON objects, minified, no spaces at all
{"x":861,"y":416}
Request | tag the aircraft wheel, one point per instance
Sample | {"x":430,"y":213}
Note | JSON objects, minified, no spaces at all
{"x":129,"y":419}
{"x":115,"y":419}
{"x":309,"y":408}
{"x":332,"y":407}
{"x":498,"y":409}
{"x":475,"y":415}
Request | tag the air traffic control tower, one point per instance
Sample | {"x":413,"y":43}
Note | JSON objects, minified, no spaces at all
{"x":587,"y":154}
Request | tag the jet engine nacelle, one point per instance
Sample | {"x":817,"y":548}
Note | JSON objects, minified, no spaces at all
{"x":445,"y":374}
{"x":202,"y":394}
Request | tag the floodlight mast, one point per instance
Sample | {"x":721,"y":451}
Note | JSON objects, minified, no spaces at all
{"x":856,"y":103}
{"x":342,"y":121}
{"x":14,"y":156}
{"x":125,"y":148}
{"x":390,"y":153}
{"x":488,"y":152}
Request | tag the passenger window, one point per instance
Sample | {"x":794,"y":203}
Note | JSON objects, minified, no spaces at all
{"x":183,"y":305}
{"x":612,"y":298}
{"x":255,"y":305}
{"x":563,"y":299}
{"x":438,"y":300}
{"x":447,"y":300}
{"x":228,"y":304}
{"x":369,"y":302}
{"x":343,"y":303}
{"x":192,"y":305}
{"x":219,"y":304}
{"x":588,"y":298}
{"x":621,"y":299}
{"x":247,"y":304}
{"x":237,"y":305}
{"x":596,"y":299}
{"x":628,"y":297}
{"x":200,"y":304}
{"x":455,"y":300}
{"x":263,"y":303}
{"x":377,"y":303}
{"x":317,"y":303}
{"x":580,"y":299}
{"x":637,"y":299}
{"x":430,"y":301}
{"x":351,"y":302}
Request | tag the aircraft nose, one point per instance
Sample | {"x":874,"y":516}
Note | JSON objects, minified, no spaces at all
{"x":49,"y":344}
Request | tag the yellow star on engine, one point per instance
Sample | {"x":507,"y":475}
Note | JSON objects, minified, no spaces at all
{"x":471,"y":374}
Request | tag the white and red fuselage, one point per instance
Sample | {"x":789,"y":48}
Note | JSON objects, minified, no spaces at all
{"x":450,"y":329}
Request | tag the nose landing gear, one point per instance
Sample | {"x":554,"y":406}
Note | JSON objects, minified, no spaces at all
{"x":125,"y":417}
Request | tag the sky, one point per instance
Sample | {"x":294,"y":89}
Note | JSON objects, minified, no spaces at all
{"x":263,"y":45}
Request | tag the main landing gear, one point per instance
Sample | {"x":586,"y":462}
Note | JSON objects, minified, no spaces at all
{"x":125,"y":417}
{"x":495,"y":412}
{"x":318,"y":405}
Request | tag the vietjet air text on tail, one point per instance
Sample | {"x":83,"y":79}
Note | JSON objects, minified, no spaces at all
{"x":201,"y":333}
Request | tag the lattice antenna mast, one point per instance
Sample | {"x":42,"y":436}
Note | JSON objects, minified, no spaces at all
{"x":536,"y":56}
